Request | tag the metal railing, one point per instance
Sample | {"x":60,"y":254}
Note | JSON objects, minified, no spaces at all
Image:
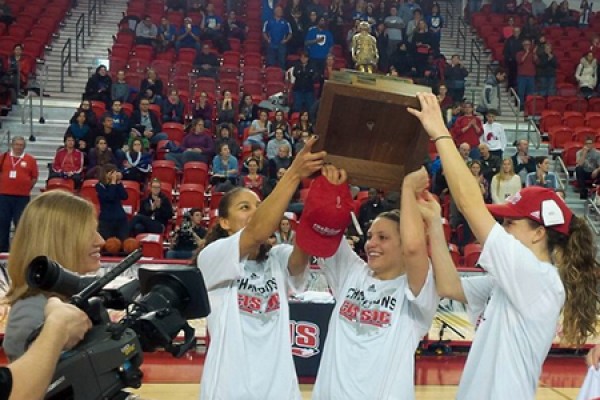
{"x":65,"y":60}
{"x":79,"y":35}
{"x":589,"y":206}
{"x":477,"y":57}
{"x":28,"y":105}
{"x":5,"y":140}
{"x":516,"y":110}
{"x":92,"y":8}
{"x":461,"y":33}
{"x":449,"y":18}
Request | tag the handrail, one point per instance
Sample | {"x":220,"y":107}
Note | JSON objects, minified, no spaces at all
{"x":79,"y":35}
{"x":516,"y":110}
{"x":536,"y":130}
{"x":44,"y":83}
{"x":461,"y":34}
{"x":477,"y":57}
{"x":28,"y":104}
{"x":564,"y":169}
{"x":65,"y":60}
{"x":586,"y":212}
{"x":7,"y":133}
{"x":450,"y":18}
{"x":92,"y":7}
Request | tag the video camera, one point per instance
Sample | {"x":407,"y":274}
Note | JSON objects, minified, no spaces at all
{"x":108,"y":359}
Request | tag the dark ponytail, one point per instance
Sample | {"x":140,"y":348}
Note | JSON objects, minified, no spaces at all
{"x":575,"y":257}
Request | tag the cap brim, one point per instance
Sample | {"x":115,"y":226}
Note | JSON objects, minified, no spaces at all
{"x":315,"y":244}
{"x":506,"y":210}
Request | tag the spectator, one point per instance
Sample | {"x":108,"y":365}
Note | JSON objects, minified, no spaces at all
{"x":370,"y":209}
{"x":155,"y":212}
{"x":508,"y":30}
{"x":477,"y":170}
{"x":304,"y":80}
{"x":381,"y":41}
{"x":588,"y":166}
{"x":20,"y":67}
{"x":585,"y":13}
{"x":435,"y":23}
{"x":522,"y":161}
{"x":526,"y":72}
{"x":304,"y":123}
{"x":525,"y":9}
{"x":112,"y":221}
{"x":6,"y":14}
{"x":546,"y":65}
{"x":421,"y":44}
{"x":490,"y":163}
{"x":203,"y":109}
{"x":152,"y":82}
{"x":552,"y":15}
{"x":257,"y":153}
{"x":512,"y":46}
{"x":566,"y":18}
{"x":454,"y":114}
{"x":531,"y":30}
{"x":224,"y":137}
{"x":295,"y":7}
{"x":275,"y":143}
{"x":299,"y":28}
{"x":542,"y":176}
{"x":318,"y":43}
{"x":212,"y":29}
{"x":206,"y":62}
{"x":444,"y":99}
{"x":277,"y":32}
{"x":98,"y":87}
{"x":299,"y":145}
{"x":283,"y":160}
{"x":468,"y":129}
{"x":197,"y":145}
{"x":167,"y":34}
{"x":247,"y":112}
{"x":403,"y":61}
{"x":79,"y":130}
{"x":189,"y":237}
{"x":586,"y":74}
{"x":234,"y":28}
{"x":316,"y":7}
{"x":189,"y":36}
{"x":146,"y":32}
{"x":226,"y":110}
{"x":259,"y":129}
{"x":173,"y":109}
{"x":145,"y":119}
{"x":18,"y":175}
{"x":505,"y":183}
{"x":90,"y":116}
{"x":413,"y":24}
{"x":137,"y":163}
{"x":490,"y":97}
{"x":336,"y":20}
{"x":120,"y":119}
{"x":279,"y":123}
{"x":494,"y":136}
{"x":253,"y":180}
{"x":455,"y":76}
{"x":68,"y":162}
{"x":285,"y":234}
{"x":114,"y":139}
{"x":407,"y":10}
{"x":268,"y":10}
{"x":538,"y":8}
{"x":394,"y":26}
{"x":120,"y":89}
{"x":464,"y":149}
{"x":224,"y":169}
{"x":99,"y":156}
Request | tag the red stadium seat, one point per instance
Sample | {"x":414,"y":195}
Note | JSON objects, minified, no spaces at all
{"x":592,"y":119}
{"x":534,"y":105}
{"x":231,"y":58}
{"x":472,"y":252}
{"x":573,"y":119}
{"x":549,"y":119}
{"x":88,"y":192}
{"x":152,"y":245}
{"x":195,"y":172}
{"x":67,"y":185}
{"x":165,"y":171}
{"x":131,"y":205}
{"x":174,"y":130}
{"x":191,"y":196}
{"x":583,"y":132}
{"x":560,"y":135}
{"x":569,"y":154}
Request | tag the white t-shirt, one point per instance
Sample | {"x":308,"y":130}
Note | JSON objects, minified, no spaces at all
{"x":373,"y":333}
{"x":249,"y":357}
{"x":516,"y":307}
{"x":494,"y":136}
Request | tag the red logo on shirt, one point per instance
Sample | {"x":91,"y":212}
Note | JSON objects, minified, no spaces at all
{"x":305,"y":338}
{"x":353,"y":313}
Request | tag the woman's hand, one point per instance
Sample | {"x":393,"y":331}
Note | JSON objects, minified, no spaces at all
{"x":429,"y":208}
{"x":417,"y":181}
{"x":306,"y":162}
{"x":335,"y":176}
{"x":430,"y":115}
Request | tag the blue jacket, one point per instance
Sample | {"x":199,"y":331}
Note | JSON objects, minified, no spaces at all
{"x":110,"y":197}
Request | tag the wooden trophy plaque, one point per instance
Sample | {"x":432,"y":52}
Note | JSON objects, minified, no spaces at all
{"x":365,"y":128}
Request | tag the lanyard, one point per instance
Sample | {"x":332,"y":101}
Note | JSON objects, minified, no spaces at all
{"x":15,"y":163}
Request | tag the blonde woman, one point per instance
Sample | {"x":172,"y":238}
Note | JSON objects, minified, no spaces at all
{"x":505,"y":183}
{"x":63,"y":227}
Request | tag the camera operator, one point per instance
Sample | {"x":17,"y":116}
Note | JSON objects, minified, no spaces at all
{"x":62,"y":227}
{"x":64,"y":326}
{"x":189,"y":237}
{"x":155,"y":212}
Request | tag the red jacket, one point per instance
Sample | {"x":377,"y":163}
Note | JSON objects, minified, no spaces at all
{"x":470,"y":136}
{"x":65,"y":162}
{"x":19,"y":182}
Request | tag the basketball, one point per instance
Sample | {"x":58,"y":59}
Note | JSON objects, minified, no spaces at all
{"x":130,"y":245}
{"x":112,"y":245}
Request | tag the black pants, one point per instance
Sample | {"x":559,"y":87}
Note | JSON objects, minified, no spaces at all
{"x":11,"y":208}
{"x":118,"y":229}
{"x":144,"y":224}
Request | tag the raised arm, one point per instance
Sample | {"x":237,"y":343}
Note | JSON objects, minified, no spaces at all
{"x":465,"y":192}
{"x":447,"y":280}
{"x":268,"y":215}
{"x":412,"y":231}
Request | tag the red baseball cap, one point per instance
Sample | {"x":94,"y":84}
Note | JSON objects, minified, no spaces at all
{"x":325,"y":217}
{"x":539,"y":204}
